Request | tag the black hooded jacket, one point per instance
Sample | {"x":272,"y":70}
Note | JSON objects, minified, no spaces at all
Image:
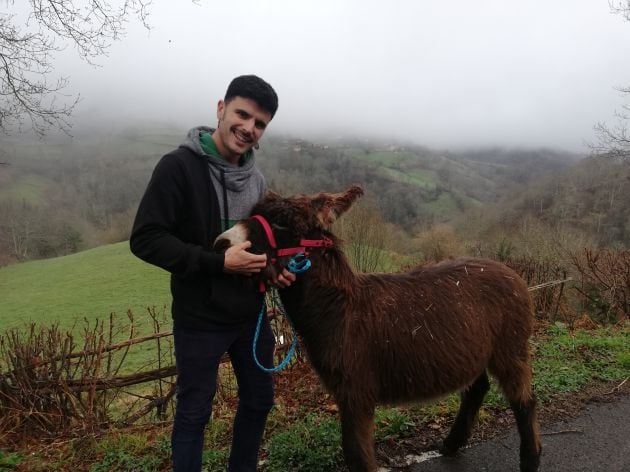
{"x":176,"y":224}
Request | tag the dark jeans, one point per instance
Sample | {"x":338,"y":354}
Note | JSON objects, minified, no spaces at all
{"x":197,"y":355}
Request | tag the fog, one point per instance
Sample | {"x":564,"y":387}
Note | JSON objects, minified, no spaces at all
{"x":440,"y":74}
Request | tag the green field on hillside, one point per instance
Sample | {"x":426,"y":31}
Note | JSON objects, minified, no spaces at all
{"x":29,"y":189}
{"x":89,"y":284}
{"x":420,"y":178}
{"x":390,"y":158}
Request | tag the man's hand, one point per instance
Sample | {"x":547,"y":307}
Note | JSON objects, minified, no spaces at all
{"x":239,"y":261}
{"x":284,"y":279}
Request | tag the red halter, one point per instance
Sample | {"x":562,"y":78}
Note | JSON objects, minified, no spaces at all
{"x":289,"y":251}
{"x":302,"y":248}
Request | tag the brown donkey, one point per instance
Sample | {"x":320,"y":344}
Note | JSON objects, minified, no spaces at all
{"x":393,"y":338}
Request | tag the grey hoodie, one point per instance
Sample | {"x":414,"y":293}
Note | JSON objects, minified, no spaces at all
{"x":243,"y":185}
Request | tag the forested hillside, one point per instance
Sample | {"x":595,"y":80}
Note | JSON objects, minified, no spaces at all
{"x":59,"y":198}
{"x":593,"y":195}
{"x":412,"y":186}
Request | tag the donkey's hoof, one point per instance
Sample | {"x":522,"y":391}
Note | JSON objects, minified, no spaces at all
{"x":447,"y":449}
{"x":531,"y":464}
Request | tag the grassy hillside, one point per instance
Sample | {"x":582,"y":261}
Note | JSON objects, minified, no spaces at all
{"x":28,"y":188}
{"x":90,"y":284}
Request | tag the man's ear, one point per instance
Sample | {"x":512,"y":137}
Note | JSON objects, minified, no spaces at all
{"x":220,"y":109}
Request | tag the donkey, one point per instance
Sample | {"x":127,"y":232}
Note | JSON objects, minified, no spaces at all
{"x":396,"y":338}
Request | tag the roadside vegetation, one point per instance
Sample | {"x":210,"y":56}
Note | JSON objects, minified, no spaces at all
{"x":303,"y":431}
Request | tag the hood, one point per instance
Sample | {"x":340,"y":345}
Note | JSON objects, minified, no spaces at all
{"x":236,"y":178}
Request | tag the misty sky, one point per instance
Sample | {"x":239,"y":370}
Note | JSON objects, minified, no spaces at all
{"x":438,"y":73}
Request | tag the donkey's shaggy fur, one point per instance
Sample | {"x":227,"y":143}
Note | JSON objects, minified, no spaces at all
{"x":390,"y":338}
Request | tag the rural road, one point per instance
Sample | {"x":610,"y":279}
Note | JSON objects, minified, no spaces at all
{"x":598,"y":440}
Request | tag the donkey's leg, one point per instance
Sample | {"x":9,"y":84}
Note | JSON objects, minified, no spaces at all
{"x":517,"y":387}
{"x":527,"y":423}
{"x":471,"y":400}
{"x":357,"y":432}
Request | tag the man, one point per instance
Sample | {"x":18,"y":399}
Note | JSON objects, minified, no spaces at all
{"x":196,"y":192}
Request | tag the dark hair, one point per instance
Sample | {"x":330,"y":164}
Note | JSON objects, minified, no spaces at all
{"x":254,"y":88}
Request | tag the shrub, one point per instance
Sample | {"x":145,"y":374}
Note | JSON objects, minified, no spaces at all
{"x":215,"y":460}
{"x":439,"y":242}
{"x":393,"y":423}
{"x":604,"y":283}
{"x":10,"y":460}
{"x":312,"y":445}
{"x":123,"y":461}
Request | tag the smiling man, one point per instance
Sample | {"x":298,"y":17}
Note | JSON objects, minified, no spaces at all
{"x":242,"y":122}
{"x":196,"y":192}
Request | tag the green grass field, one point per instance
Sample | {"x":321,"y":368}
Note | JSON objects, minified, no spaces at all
{"x":29,"y":189}
{"x":421,"y":178}
{"x":89,"y":284}
{"x":390,"y":157}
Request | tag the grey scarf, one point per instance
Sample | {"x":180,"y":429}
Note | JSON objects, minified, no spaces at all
{"x":238,"y":188}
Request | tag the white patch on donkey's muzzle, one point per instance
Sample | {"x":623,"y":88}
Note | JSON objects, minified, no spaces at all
{"x":237,"y":234}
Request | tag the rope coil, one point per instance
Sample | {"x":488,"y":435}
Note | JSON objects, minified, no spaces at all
{"x":298,"y":264}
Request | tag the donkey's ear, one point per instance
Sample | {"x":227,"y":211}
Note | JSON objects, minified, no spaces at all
{"x":271,"y":197}
{"x":335,"y":204}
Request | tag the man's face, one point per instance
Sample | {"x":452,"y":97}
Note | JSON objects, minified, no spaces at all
{"x":241,"y":124}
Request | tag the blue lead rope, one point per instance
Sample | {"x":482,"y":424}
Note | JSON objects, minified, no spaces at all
{"x":298,"y":264}
{"x":286,"y":360}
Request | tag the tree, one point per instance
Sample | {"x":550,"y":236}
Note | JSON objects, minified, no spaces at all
{"x":28,"y":93}
{"x":18,"y":229}
{"x":621,"y":7}
{"x":365,"y":230}
{"x":615,"y":140}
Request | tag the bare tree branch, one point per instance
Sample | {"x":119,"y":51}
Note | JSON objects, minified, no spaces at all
{"x":614,"y":140}
{"x":29,"y":97}
{"x":621,"y":7}
{"x":92,"y":27}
